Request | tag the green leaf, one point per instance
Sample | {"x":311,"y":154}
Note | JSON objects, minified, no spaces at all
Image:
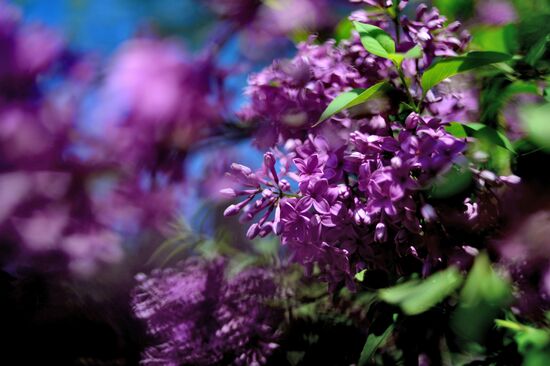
{"x":537,"y":51}
{"x":457,"y":130}
{"x":415,"y":52}
{"x":343,"y":30}
{"x":453,"y":9}
{"x":350,"y":99}
{"x":373,"y":343}
{"x":498,"y":39}
{"x":397,"y":58}
{"x":417,"y":296}
{"x":480,"y":131}
{"x":483,"y":132}
{"x":521,"y":87}
{"x":536,"y":123}
{"x":360,"y":276}
{"x":483,"y":295}
{"x":526,"y":337}
{"x":375,"y":40}
{"x":456,"y":180}
{"x":448,"y":67}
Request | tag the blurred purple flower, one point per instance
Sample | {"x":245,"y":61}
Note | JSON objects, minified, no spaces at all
{"x":200,"y":317}
{"x":47,"y":208}
{"x":159,"y":102}
{"x":496,"y":12}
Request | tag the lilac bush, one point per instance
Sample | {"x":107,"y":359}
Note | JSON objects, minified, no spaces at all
{"x":362,"y":176}
{"x":389,"y":205}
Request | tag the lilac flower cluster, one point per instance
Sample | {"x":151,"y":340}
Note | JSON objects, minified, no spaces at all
{"x":496,"y":12}
{"x":360,"y":196}
{"x":159,"y":102}
{"x":46,"y":206}
{"x":352,"y":199}
{"x":200,"y":317}
{"x":437,"y":39}
{"x":287,"y":98}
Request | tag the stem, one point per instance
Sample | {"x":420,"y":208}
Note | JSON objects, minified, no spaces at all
{"x":404,"y":82}
{"x":397,"y":28}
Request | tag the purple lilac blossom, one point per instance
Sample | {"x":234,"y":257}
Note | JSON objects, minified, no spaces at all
{"x":350,"y":202}
{"x":46,"y":209}
{"x":160,"y":101}
{"x":382,"y":3}
{"x":200,"y":317}
{"x":289,"y":96}
{"x":496,"y":12}
{"x":510,"y":113}
{"x":438,"y":39}
{"x":359,"y":176}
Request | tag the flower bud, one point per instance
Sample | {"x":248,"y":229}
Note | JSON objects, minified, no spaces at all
{"x":253,"y":231}
{"x":284,"y":185}
{"x":231,"y":210}
{"x":228,"y":192}
{"x":428,"y":213}
{"x":412,"y":121}
{"x":380,"y":233}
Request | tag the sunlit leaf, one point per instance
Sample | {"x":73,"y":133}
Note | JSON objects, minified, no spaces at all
{"x":535,"y":121}
{"x":350,"y":99}
{"x":497,"y":38}
{"x":456,"y":129}
{"x":343,"y":30}
{"x":375,"y":40}
{"x":417,"y":296}
{"x":449,"y":67}
{"x":360,"y":276}
{"x":397,"y":58}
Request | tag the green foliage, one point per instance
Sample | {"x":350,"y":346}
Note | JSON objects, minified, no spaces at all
{"x":532,"y":29}
{"x":456,"y":180}
{"x":533,"y":343}
{"x":351,"y":99}
{"x":498,"y":39}
{"x":489,"y":134}
{"x":375,"y":40}
{"x":360,"y":276}
{"x":537,"y":51}
{"x":535,"y":120}
{"x":417,"y":296}
{"x":373,"y":342}
{"x":446,"y":68}
{"x":483,"y":296}
{"x":454,"y":9}
{"x":397,"y":58}
{"x":343,"y":30}
{"x":380,"y":43}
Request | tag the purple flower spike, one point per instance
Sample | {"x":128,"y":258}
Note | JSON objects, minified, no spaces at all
{"x":199,"y":317}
